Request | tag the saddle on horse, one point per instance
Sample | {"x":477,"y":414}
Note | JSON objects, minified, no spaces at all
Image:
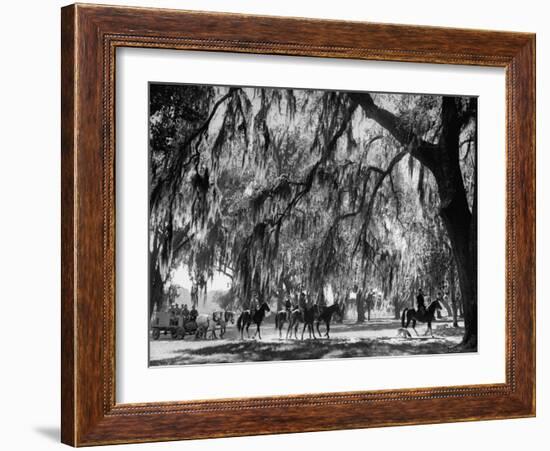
{"x":420,"y":313}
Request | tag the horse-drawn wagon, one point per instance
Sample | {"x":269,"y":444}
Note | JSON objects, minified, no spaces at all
{"x":177,"y":325}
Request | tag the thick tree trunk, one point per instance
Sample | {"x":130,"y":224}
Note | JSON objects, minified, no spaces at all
{"x":452,"y":290}
{"x":360,"y":307}
{"x":396,"y":311}
{"x":156,"y":290}
{"x":455,"y":316}
{"x":369,"y":305}
{"x":457,"y":223}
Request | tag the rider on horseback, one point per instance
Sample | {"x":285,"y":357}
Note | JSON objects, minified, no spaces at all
{"x":288,"y":305}
{"x":302,"y":301}
{"x":420,"y":303}
{"x":254,"y":305}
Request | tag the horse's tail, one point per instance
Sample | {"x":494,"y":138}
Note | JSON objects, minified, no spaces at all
{"x":403,"y":317}
{"x":240,"y":322}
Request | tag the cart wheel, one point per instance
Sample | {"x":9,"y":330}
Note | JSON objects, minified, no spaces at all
{"x":156,"y":334}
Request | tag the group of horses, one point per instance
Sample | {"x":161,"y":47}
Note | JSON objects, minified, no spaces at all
{"x":311,"y":316}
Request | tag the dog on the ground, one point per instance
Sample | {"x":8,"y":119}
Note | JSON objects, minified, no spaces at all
{"x":404,"y":333}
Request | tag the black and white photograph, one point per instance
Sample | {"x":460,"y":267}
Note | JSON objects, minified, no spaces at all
{"x":298,"y":224}
{"x":275,"y":226}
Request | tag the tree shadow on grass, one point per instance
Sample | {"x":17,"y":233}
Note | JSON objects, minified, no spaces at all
{"x":257,"y":351}
{"x":382,"y":324}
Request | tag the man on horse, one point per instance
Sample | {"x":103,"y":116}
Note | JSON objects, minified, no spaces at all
{"x":302,"y":301}
{"x":420,"y":303}
{"x":254,"y":305}
{"x":423,"y":314}
{"x":288,"y":305}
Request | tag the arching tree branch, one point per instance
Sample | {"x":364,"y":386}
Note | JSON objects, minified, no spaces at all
{"x":422,"y":150}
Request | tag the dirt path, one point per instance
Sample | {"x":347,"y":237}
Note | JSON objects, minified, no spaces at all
{"x":376,"y":338}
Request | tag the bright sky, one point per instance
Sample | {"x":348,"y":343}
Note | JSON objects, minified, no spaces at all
{"x":219,"y":282}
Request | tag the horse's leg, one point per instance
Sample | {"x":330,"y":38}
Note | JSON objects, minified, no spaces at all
{"x":247,"y":332}
{"x":259,"y":331}
{"x":427,"y":329}
{"x":303,"y":330}
{"x":414,"y":326}
{"x":328,"y":329}
{"x":318,"y":331}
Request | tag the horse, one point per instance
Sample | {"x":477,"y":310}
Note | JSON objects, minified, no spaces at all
{"x":413,"y":315}
{"x":326,"y":316}
{"x":305,"y":315}
{"x":220,"y":320}
{"x":282,"y":317}
{"x":246,"y":318}
{"x":203,"y":323}
{"x":295,"y":318}
{"x":310,"y":315}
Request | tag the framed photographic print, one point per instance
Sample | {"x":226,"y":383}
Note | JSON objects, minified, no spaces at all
{"x":280,"y":225}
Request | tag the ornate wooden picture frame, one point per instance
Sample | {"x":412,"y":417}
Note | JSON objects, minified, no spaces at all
{"x":90,"y":37}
